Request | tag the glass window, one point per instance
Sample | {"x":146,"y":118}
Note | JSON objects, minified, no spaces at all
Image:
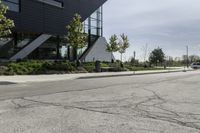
{"x":94,"y":23}
{"x":93,"y":31}
{"x":56,"y":3}
{"x":13,"y":5}
{"x":94,"y":15}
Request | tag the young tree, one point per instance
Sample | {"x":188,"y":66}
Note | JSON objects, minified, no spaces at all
{"x":113,"y":45}
{"x":145,"y":53}
{"x":76,"y":38}
{"x":133,"y":61}
{"x":193,"y":58}
{"x":184,"y":59}
{"x":123,"y":44}
{"x":157,"y":55}
{"x":5,"y":24}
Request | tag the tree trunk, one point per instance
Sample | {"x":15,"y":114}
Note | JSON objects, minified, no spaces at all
{"x":75,"y":57}
{"x":111,"y":60}
{"x":121,"y":57}
{"x":69,"y":53}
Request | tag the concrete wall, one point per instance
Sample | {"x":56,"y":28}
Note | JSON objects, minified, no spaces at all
{"x":98,"y":52}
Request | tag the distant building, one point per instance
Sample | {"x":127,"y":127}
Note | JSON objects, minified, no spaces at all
{"x":40,"y":29}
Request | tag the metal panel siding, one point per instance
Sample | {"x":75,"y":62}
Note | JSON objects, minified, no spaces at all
{"x":32,"y":16}
{"x":37,"y":17}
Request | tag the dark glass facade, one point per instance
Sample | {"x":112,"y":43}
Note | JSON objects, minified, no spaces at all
{"x":35,"y":17}
{"x":55,"y":3}
{"x":50,"y":49}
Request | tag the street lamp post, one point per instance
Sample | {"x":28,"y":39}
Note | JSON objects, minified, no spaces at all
{"x":187,"y":56}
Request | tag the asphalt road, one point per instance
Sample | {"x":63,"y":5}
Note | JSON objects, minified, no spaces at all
{"x":161,"y":103}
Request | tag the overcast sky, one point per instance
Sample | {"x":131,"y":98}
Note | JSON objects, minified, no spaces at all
{"x":169,"y":24}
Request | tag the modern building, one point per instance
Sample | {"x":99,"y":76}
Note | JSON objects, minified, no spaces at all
{"x":40,"y":26}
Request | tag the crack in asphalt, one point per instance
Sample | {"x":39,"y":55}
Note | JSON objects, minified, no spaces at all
{"x":139,"y":109}
{"x":170,"y":116}
{"x":111,"y":85}
{"x":18,"y":106}
{"x":60,"y":105}
{"x":125,"y":84}
{"x":151,"y":115}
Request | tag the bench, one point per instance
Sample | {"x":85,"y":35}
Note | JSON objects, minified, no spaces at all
{"x":108,"y":69}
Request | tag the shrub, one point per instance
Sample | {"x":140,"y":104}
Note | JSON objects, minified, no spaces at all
{"x":104,"y":64}
{"x":3,"y":70}
{"x":38,"y":67}
{"x":89,"y":66}
{"x":59,"y":66}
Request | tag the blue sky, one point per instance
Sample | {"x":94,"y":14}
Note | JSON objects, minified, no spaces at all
{"x":169,"y":24}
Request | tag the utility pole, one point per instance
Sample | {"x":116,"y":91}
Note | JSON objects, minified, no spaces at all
{"x":134,"y":54}
{"x":187,"y":56}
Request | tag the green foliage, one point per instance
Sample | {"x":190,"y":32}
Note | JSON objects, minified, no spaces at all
{"x":5,"y":24}
{"x":89,"y":66}
{"x":112,"y":46}
{"x":139,"y":66}
{"x":75,"y":37}
{"x":38,"y":67}
{"x":59,"y":66}
{"x":27,"y":67}
{"x":157,"y":56}
{"x":123,"y":44}
{"x":3,"y":70}
{"x":119,"y":45}
{"x":104,"y":64}
{"x":134,"y":61}
{"x":133,"y":68}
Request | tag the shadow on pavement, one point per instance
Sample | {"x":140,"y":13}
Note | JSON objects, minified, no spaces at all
{"x":6,"y":83}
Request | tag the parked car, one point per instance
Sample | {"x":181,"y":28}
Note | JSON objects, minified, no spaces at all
{"x":195,"y":65}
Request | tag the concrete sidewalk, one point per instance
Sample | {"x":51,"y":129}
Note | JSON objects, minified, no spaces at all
{"x":56,"y":77}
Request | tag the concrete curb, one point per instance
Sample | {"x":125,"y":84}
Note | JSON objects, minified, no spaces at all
{"x":51,"y":78}
{"x":132,"y":74}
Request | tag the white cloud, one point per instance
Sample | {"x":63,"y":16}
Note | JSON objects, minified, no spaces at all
{"x":171,"y":24}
